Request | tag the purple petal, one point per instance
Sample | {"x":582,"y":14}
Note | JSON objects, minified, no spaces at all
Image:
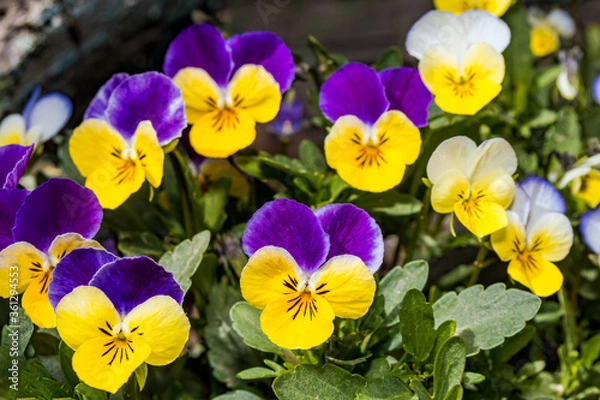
{"x":596,"y":90}
{"x":99,"y":104}
{"x":292,"y":226}
{"x":352,"y":231}
{"x":200,"y":46}
{"x":13,"y":163}
{"x":355,"y":89}
{"x":406,"y":92}
{"x":35,"y":95}
{"x":590,"y":229}
{"x":10,"y":202}
{"x":289,"y":120}
{"x":56,"y":207}
{"x":76,"y":269}
{"x":129,"y":282}
{"x":147,"y":97}
{"x":266,"y":49}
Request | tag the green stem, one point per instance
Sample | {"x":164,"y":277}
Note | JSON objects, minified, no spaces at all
{"x":421,"y":222}
{"x":478,"y":265}
{"x":568,"y":321}
{"x":188,"y":220}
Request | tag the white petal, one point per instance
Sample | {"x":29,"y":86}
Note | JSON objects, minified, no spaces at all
{"x":562,"y":22}
{"x":567,"y":89}
{"x":481,"y":26}
{"x":50,"y":113}
{"x":590,"y":229}
{"x":436,"y":28}
{"x":521,"y":204}
{"x":450,"y":154}
{"x":11,"y":127}
{"x":544,"y":198}
{"x":536,"y":16}
{"x":491,"y":155}
{"x":556,"y":236}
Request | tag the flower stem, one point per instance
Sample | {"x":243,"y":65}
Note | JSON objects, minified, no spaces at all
{"x":478,"y":265}
{"x":421,"y":223}
{"x":569,"y":322}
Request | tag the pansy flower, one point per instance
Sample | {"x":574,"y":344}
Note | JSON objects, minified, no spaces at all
{"x":460,"y":57}
{"x":289,"y":120}
{"x":569,"y":82}
{"x":306,"y":268}
{"x":584,"y":179}
{"x":228,"y":85}
{"x":13,"y":163}
{"x":537,"y":235}
{"x":42,"y":118}
{"x":118,"y":145}
{"x":496,"y":7}
{"x":590,"y":229}
{"x":473,"y":182}
{"x":37,"y":231}
{"x":117,"y":314}
{"x":376,"y":118}
{"x":596,"y":90}
{"x":548,"y":29}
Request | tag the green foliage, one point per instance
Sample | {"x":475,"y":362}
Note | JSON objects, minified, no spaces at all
{"x":417,"y":325}
{"x":397,"y":283}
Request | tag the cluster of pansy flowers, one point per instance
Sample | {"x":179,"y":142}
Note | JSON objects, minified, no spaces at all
{"x":116,"y":314}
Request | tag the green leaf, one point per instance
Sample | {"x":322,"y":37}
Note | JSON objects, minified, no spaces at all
{"x":311,"y":156}
{"x":388,"y":387}
{"x":18,"y":326}
{"x":213,"y":204}
{"x":238,"y":395}
{"x":141,"y":375}
{"x":565,"y":136}
{"x":390,"y":58}
{"x":472,"y":378}
{"x":310,"y":382}
{"x":444,"y":332}
{"x":65,"y":356}
{"x":35,"y":381}
{"x":85,"y":392}
{"x":449,"y":367}
{"x":417,"y":325}
{"x":399,"y":281}
{"x":141,"y":244}
{"x":590,"y":351}
{"x":246,"y":322}
{"x":185,"y":259}
{"x":485,"y":317}
{"x":391,"y":203}
{"x":420,"y":390}
{"x":513,"y":345}
{"x":456,"y":393}
{"x":257,"y":373}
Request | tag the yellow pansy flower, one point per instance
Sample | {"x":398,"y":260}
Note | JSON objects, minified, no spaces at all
{"x":547,"y":30}
{"x":584,"y":179}
{"x":496,"y":7}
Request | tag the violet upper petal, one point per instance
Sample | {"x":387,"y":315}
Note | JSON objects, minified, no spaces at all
{"x":354,"y":89}
{"x":406,"y":92}
{"x":99,"y":104}
{"x":56,"y":207}
{"x":10,"y":202}
{"x":290,"y":225}
{"x":129,"y":282}
{"x":266,"y":49}
{"x":13,"y":163}
{"x":76,"y":269}
{"x":147,"y":97}
{"x":200,"y":46}
{"x":352,"y":231}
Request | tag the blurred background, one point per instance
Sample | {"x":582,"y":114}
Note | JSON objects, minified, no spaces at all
{"x":74,"y":46}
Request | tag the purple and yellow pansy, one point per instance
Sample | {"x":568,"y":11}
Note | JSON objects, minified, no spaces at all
{"x":306,"y":268}
{"x":13,"y":164}
{"x":228,"y":85}
{"x":42,"y":118}
{"x":117,"y":314}
{"x":37,"y":230}
{"x":118,"y":145}
{"x":376,"y":117}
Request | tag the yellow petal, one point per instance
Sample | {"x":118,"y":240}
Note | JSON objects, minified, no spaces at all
{"x":544,"y":40}
{"x":35,"y":301}
{"x":82,"y":314}
{"x":298,"y":321}
{"x":164,"y":326}
{"x":149,"y":153}
{"x":496,"y":7}
{"x":481,"y":218}
{"x":507,"y":242}
{"x":373,"y":160}
{"x":255,"y":91}
{"x":64,"y":244}
{"x":551,"y":237}
{"x":496,"y":186}
{"x":541,"y":276}
{"x":466,"y":89}
{"x":113,"y":184}
{"x":270,"y":274}
{"x":222,"y":133}
{"x":450,"y":188}
{"x":588,"y":188}
{"x":19,"y":263}
{"x":452,"y":153}
{"x":200,"y":92}
{"x":105,"y":369}
{"x":12,"y":130}
{"x":346,"y":283}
